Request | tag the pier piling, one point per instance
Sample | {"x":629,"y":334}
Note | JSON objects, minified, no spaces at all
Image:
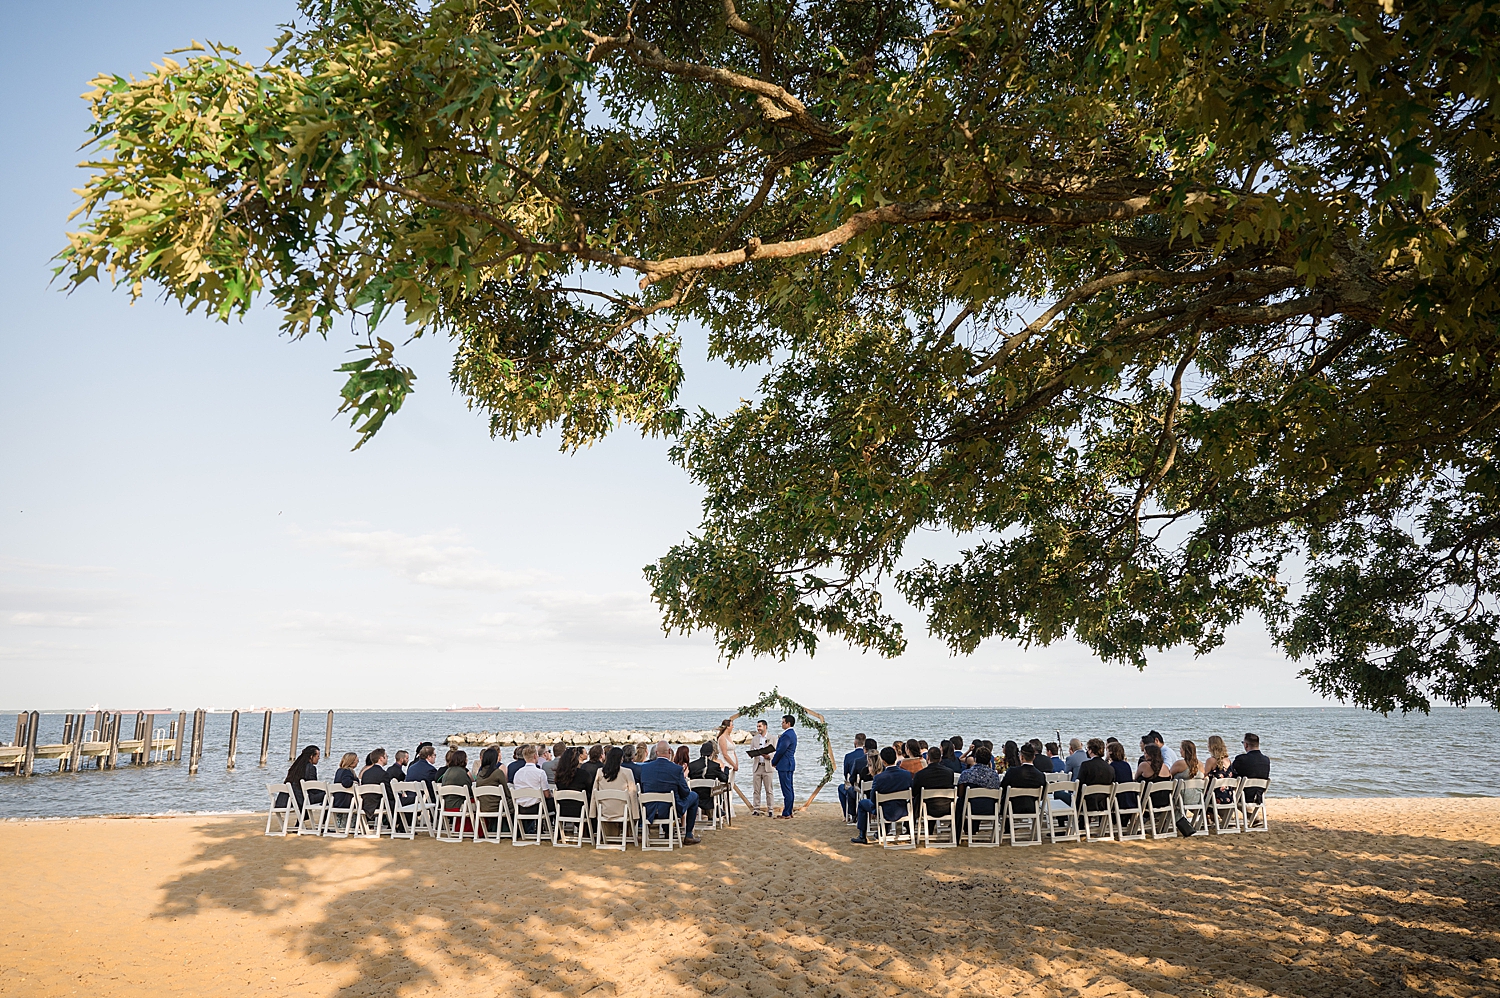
{"x":112,"y":758}
{"x":234,"y":738}
{"x":148,"y":738}
{"x":195,"y":743}
{"x":75,"y":751}
{"x":177,"y":739}
{"x":296,"y":722}
{"x":265,"y":740}
{"x":328,"y":738}
{"x":28,"y":762}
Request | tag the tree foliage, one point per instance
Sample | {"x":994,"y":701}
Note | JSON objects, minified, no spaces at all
{"x":1163,"y":303}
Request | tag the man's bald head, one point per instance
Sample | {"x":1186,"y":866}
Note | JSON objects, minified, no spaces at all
{"x":663,"y":750}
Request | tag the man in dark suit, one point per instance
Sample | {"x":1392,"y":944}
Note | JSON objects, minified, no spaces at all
{"x":935,"y":776}
{"x":853,"y":762}
{"x":515,"y":764}
{"x":595,"y":763}
{"x":1096,"y":771}
{"x":891,"y":780}
{"x":1251,"y":764}
{"x":785,"y":762}
{"x":1025,"y":775}
{"x":422,"y":770}
{"x":663,"y":776}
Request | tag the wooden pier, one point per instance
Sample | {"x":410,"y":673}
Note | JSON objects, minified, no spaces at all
{"x":98,"y":737}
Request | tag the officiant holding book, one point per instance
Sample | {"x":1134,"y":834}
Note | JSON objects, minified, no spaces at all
{"x":761,"y":770}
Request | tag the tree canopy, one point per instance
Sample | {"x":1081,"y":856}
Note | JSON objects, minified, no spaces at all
{"x":1180,"y":311}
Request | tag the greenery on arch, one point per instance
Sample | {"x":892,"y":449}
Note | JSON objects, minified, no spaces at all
{"x":806,"y":718}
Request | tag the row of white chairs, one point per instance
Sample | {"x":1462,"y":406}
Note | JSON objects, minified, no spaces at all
{"x":1120,"y":812}
{"x":486,"y":814}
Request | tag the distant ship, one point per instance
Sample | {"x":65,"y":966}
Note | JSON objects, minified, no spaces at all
{"x":476,"y":709}
{"x":1230,"y":706}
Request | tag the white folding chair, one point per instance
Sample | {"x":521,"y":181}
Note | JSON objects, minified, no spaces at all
{"x":285,"y":815}
{"x":1097,"y":824}
{"x":1032,"y":821}
{"x":340,"y":819}
{"x":927,"y":822}
{"x":1061,"y":818}
{"x":413,"y":812}
{"x":889,"y":831}
{"x":530,"y":808}
{"x":1195,"y":811}
{"x":582,"y":830}
{"x":310,"y":821}
{"x":1224,"y":816}
{"x":669,"y":837}
{"x":705,"y":789}
{"x":1128,"y":824}
{"x":490,"y":825}
{"x":1157,"y":813}
{"x":723,"y":806}
{"x":1253,"y":812}
{"x":374,"y":816}
{"x":606,"y":813}
{"x":455,"y":816}
{"x":974,"y":822}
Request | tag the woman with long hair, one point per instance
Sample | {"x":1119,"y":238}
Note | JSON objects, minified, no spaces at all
{"x":728,"y":757}
{"x":1012,"y":755}
{"x":1122,"y":771}
{"x":1154,"y":769}
{"x":1187,"y":769}
{"x":614,"y":776}
{"x":569,"y":776}
{"x":1217,"y":767}
{"x":345,"y":776}
{"x":683,"y":758}
{"x":304,"y":767}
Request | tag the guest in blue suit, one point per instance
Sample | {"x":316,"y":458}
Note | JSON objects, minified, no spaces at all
{"x":663,"y":776}
{"x":853,"y":761}
{"x":785,"y":762}
{"x":890,"y":780}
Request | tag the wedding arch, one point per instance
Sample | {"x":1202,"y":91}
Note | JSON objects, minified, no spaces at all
{"x":807,"y":719}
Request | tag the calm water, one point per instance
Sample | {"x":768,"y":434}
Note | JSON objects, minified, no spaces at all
{"x":1315,"y":752}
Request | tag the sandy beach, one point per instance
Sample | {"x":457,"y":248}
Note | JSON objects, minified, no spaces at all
{"x":1359,"y":897}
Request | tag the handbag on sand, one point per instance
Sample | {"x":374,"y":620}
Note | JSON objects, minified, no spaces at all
{"x":1185,"y":826}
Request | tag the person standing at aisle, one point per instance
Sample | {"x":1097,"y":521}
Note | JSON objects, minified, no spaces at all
{"x":785,"y":762}
{"x":760,"y":769}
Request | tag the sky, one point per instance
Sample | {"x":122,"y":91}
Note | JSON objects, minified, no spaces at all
{"x":183,"y":522}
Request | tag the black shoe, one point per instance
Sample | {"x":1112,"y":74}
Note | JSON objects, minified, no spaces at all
{"x":860,"y":840}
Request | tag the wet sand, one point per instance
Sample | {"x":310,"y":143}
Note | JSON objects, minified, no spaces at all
{"x":1343,"y":897}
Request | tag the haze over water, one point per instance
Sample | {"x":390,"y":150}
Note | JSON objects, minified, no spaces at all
{"x":1315,"y":751}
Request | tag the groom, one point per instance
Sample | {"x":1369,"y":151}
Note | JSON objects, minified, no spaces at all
{"x":785,"y":762}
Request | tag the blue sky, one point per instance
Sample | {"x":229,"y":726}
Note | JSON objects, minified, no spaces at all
{"x":182,"y":521}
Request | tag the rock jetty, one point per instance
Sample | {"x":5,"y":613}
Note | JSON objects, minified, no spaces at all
{"x":472,"y":739}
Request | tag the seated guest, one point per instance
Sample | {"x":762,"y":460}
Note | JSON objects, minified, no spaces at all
{"x":1096,"y":772}
{"x":398,"y":768}
{"x":489,"y":774}
{"x":1123,"y":772}
{"x":530,"y":775}
{"x":981,"y":773}
{"x":517,"y":760}
{"x":422,"y":769}
{"x":663,"y":775}
{"x":642,"y":755}
{"x":892,"y":779}
{"x":683,"y":758}
{"x":593,"y":764}
{"x":913,"y":762}
{"x":934,"y":776}
{"x":1026,"y":776}
{"x":345,"y":776}
{"x":854,"y":756}
{"x":1252,"y":764}
{"x":614,"y":776}
{"x":375,"y":774}
{"x":1187,"y":768}
{"x":957,"y":742}
{"x":1154,"y":738}
{"x":950,"y":758}
{"x":1054,"y":760}
{"x":456,"y":772}
{"x":304,"y":767}
{"x":706,"y":766}
{"x":856,"y":771}
{"x":1076,"y":758}
{"x":1012,"y":755}
{"x":549,"y":760}
{"x":570,"y":776}
{"x":1156,"y":770}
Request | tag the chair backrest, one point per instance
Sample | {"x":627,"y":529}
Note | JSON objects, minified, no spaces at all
{"x":1020,"y":793}
{"x":314,"y":785}
{"x":1127,"y":788}
{"x":939,"y":793}
{"x":1056,"y":777}
{"x":659,"y":799}
{"x":562,"y":795}
{"x":1230,"y":783}
{"x":1096,"y":790}
{"x":487,"y":792}
{"x":372,"y":790}
{"x":277,"y":789}
{"x":1064,"y":786}
{"x":444,"y":793}
{"x":981,"y":793}
{"x":1247,"y":784}
{"x":409,"y":787}
{"x":900,"y":796}
{"x":702,"y":785}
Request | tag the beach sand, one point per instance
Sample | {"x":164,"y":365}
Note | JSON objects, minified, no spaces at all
{"x":1358,"y":897}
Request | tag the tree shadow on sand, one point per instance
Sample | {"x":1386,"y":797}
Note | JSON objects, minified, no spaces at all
{"x":793,"y":909}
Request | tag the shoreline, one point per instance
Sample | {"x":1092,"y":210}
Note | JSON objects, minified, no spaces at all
{"x":1353,"y":896}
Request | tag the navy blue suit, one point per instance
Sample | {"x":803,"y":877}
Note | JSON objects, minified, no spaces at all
{"x":852,"y":761}
{"x":663,"y":776}
{"x":892,"y":780}
{"x":422,"y":771}
{"x":785,"y":763}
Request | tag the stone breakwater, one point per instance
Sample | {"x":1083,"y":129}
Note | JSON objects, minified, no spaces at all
{"x":468,"y":739}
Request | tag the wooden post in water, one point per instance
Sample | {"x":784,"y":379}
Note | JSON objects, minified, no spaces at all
{"x":140,"y":719}
{"x":328,"y":738}
{"x":296,"y":722}
{"x":265,"y":740}
{"x":195,"y":743}
{"x":112,"y":758}
{"x":67,"y":739}
{"x":148,"y":735}
{"x":28,"y":763}
{"x":234,"y":738}
{"x":177,"y":741}
{"x":75,"y":757}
